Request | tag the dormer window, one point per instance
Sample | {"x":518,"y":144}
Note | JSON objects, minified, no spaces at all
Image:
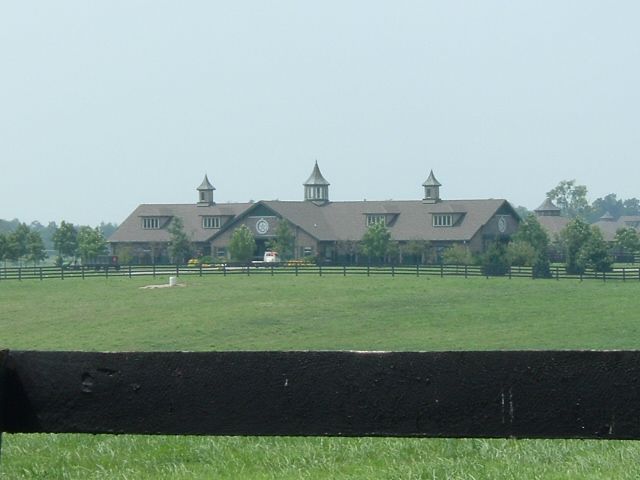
{"x":373,"y":219}
{"x":210,"y":222}
{"x":151,"y":223}
{"x":442,"y":220}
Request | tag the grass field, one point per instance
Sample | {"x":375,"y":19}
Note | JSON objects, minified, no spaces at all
{"x":335,"y":313}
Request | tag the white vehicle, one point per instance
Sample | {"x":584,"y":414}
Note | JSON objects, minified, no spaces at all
{"x":271,"y":257}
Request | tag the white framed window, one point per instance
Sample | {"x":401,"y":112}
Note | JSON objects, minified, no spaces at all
{"x":442,"y":220}
{"x":210,"y":222}
{"x":150,"y":223}
{"x":373,"y":219}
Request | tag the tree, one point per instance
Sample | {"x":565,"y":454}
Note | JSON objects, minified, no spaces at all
{"x":457,"y":255}
{"x":521,"y":254}
{"x":420,"y":250}
{"x":179,"y":245}
{"x":4,"y":248}
{"x":91,"y":243}
{"x":494,"y":260}
{"x":285,"y":240}
{"x":65,"y":240}
{"x":531,"y":233}
{"x":35,"y":248}
{"x":523,"y":212}
{"x":573,"y":237}
{"x":628,"y":240}
{"x":571,"y":198}
{"x":18,"y":242}
{"x":107,"y":229}
{"x":393,"y":252}
{"x":375,"y":241}
{"x":242,"y":244}
{"x":594,"y":253}
{"x":348,"y":249}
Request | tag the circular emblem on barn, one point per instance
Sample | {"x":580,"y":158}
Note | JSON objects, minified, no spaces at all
{"x":262,"y":226}
{"x":502,"y":224}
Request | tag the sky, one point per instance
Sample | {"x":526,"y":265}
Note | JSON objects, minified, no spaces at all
{"x":107,"y":105}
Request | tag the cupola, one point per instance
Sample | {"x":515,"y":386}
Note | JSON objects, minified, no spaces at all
{"x":431,"y":189}
{"x":316,"y":188}
{"x":547,"y":209}
{"x":205,"y":193}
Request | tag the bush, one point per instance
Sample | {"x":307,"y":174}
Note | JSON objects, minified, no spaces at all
{"x":457,"y":255}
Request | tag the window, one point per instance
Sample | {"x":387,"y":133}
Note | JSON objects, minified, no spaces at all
{"x":221,"y":252}
{"x":210,"y":222}
{"x":151,"y":223}
{"x":307,"y":251}
{"x":373,"y":219}
{"x":202,"y":197}
{"x":440,"y":220}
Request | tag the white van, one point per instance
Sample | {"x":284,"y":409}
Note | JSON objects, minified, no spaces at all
{"x":271,"y":257}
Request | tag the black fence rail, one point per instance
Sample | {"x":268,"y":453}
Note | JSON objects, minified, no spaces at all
{"x":515,"y":394}
{"x":558,"y":273}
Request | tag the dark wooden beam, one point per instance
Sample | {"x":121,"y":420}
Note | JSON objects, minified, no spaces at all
{"x":521,"y":394}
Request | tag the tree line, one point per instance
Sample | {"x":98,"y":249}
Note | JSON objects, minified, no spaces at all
{"x":28,"y":244}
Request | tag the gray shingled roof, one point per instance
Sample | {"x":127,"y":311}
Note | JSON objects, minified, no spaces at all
{"x":316,"y":177}
{"x":131,"y":230}
{"x":553,"y":224}
{"x":333,"y":221}
{"x":609,"y":226}
{"x":413,"y":219}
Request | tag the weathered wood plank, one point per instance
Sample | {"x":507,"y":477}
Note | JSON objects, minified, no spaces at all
{"x":523,"y":394}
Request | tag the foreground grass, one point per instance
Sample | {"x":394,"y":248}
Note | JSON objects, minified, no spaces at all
{"x":126,"y":457}
{"x":259,"y":313}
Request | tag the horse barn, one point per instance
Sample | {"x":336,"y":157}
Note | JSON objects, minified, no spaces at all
{"x":329,"y":230}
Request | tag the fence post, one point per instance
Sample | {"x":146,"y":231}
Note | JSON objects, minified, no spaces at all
{"x":604,"y":276}
{"x":40,"y":273}
{"x":368,"y":273}
{"x":296,"y":269}
{"x":344,"y":270}
{"x":393,"y":271}
{"x":82,"y":270}
{"x":19,"y":273}
{"x":200,"y":269}
{"x":441,"y":270}
{"x":129,"y":271}
{"x":557,"y":273}
{"x":624,"y":277}
{"x":466,"y":269}
{"x":177,"y":269}
{"x":509,"y":272}
{"x":61,"y":273}
{"x":224,"y":269}
{"x":320,"y":269}
{"x":106,"y":271}
{"x":272,"y":269}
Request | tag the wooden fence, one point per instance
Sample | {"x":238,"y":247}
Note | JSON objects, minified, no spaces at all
{"x":514,"y":394}
{"x":558,"y":273}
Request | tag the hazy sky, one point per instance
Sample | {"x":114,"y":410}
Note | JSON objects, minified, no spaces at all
{"x":106,"y":105}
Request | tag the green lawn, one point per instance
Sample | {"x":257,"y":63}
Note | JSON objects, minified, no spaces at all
{"x":258,"y":313}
